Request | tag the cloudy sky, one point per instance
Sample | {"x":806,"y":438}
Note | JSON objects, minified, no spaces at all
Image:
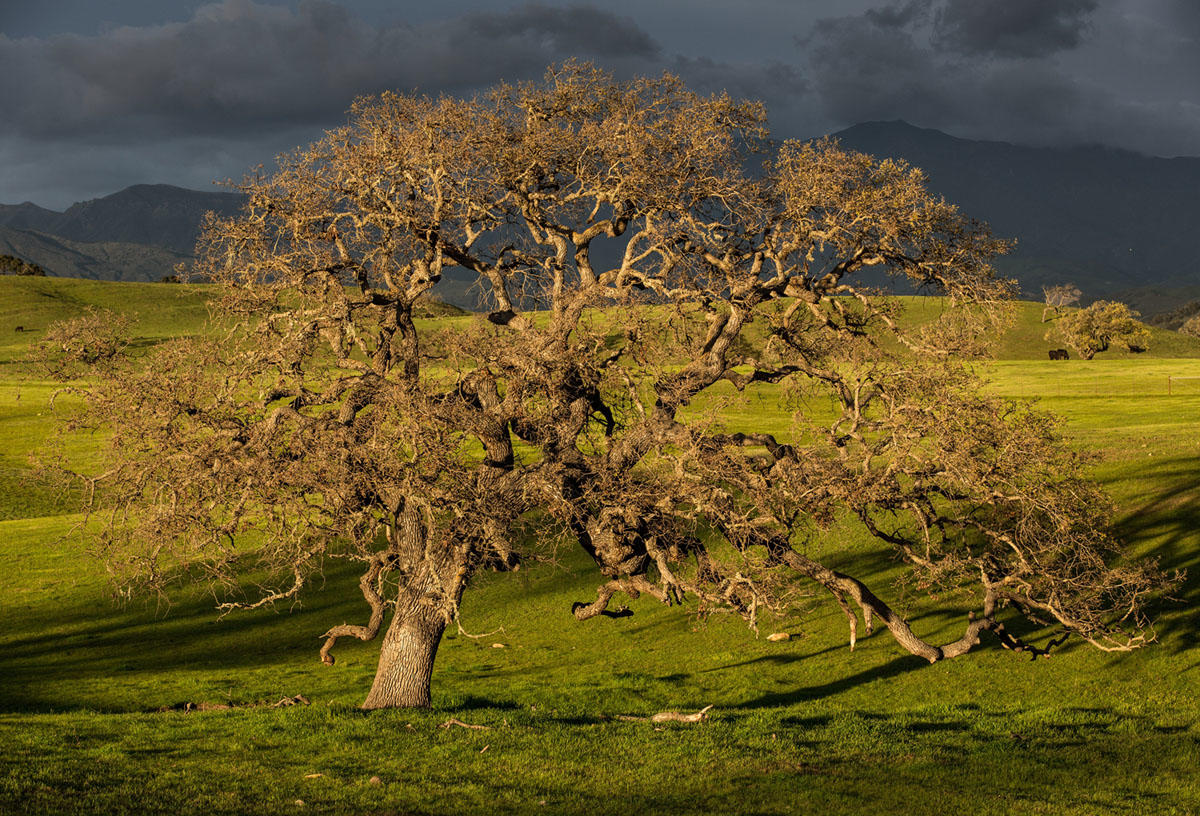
{"x":101,"y":94}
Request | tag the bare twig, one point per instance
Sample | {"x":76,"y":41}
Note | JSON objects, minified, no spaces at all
{"x":461,"y":724}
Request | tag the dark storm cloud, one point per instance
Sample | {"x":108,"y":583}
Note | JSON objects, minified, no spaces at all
{"x":898,"y":15}
{"x":1015,"y":74}
{"x":1018,"y":28}
{"x":240,"y":82}
{"x":1184,"y":16}
{"x":238,"y":65}
{"x":92,"y":105}
{"x":870,"y":66}
{"x":778,"y":86}
{"x":575,"y":30}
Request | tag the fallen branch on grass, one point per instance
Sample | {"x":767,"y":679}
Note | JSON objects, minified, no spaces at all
{"x":668,"y":716}
{"x":298,"y":699}
{"x":461,"y":724}
{"x":465,"y":633}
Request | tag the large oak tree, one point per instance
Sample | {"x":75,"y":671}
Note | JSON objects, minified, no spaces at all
{"x":638,"y":249}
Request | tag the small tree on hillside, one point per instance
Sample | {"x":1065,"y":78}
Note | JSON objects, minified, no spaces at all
{"x":631,"y":266}
{"x":1191,"y":326}
{"x":1094,"y":329}
{"x":12,"y":265}
{"x":1058,"y":298}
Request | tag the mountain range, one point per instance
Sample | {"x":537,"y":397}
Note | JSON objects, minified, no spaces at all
{"x":1114,"y":223}
{"x":1106,"y":220}
{"x":155,"y":214}
{"x":98,"y":260}
{"x":140,"y":233}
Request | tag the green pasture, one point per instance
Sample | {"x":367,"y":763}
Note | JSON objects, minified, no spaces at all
{"x":92,"y":691}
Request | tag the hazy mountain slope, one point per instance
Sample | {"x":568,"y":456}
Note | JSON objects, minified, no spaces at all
{"x":157,"y":214}
{"x":107,"y":260}
{"x":1104,"y":219}
{"x":28,"y":216}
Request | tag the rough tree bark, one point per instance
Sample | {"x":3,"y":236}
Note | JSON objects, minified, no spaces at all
{"x":406,"y":657}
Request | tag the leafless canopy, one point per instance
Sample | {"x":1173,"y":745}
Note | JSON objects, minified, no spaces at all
{"x":648,"y":262}
{"x":1059,"y":297}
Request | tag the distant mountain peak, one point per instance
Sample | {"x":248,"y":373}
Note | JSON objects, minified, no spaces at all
{"x":900,"y":131}
{"x":155,"y":192}
{"x":895,"y":124}
{"x":892,"y":126}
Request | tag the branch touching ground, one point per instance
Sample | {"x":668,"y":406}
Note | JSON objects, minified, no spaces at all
{"x":284,"y":702}
{"x":604,"y":594}
{"x":675,"y":716}
{"x":467,"y":634}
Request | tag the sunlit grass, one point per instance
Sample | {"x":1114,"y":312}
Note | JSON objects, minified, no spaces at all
{"x":797,"y":727}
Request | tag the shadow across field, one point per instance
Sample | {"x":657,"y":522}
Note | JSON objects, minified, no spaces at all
{"x":48,"y":651}
{"x":1169,"y":520}
{"x":893,"y":668}
{"x":948,"y":759}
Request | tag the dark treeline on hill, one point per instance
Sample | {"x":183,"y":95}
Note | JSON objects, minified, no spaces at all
{"x":1115,"y":224}
{"x":1175,"y":318}
{"x":10,"y":265}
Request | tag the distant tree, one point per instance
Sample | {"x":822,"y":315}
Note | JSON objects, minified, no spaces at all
{"x":632,"y":267}
{"x":82,"y":345}
{"x":11,"y":265}
{"x":1058,"y":298}
{"x":1094,"y":329}
{"x":1191,"y":326}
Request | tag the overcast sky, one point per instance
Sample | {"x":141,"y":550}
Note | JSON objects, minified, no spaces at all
{"x":99,"y":95}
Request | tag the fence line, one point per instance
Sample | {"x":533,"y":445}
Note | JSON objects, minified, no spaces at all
{"x":1173,"y":377}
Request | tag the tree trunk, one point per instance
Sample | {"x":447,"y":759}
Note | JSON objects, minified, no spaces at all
{"x":406,"y":658}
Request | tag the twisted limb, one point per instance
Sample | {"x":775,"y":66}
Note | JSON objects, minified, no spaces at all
{"x":369,"y":584}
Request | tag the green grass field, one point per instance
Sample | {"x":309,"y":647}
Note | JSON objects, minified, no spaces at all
{"x":804,"y":726}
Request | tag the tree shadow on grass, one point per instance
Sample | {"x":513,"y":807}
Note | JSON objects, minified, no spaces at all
{"x":1167,"y":526}
{"x":475,"y":703}
{"x":893,"y":668}
{"x":46,"y":650}
{"x":782,"y":659}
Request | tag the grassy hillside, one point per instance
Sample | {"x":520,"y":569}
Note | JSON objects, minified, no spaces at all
{"x":797,"y":727}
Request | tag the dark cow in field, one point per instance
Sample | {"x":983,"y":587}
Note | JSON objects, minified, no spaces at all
{"x":1059,"y":354}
